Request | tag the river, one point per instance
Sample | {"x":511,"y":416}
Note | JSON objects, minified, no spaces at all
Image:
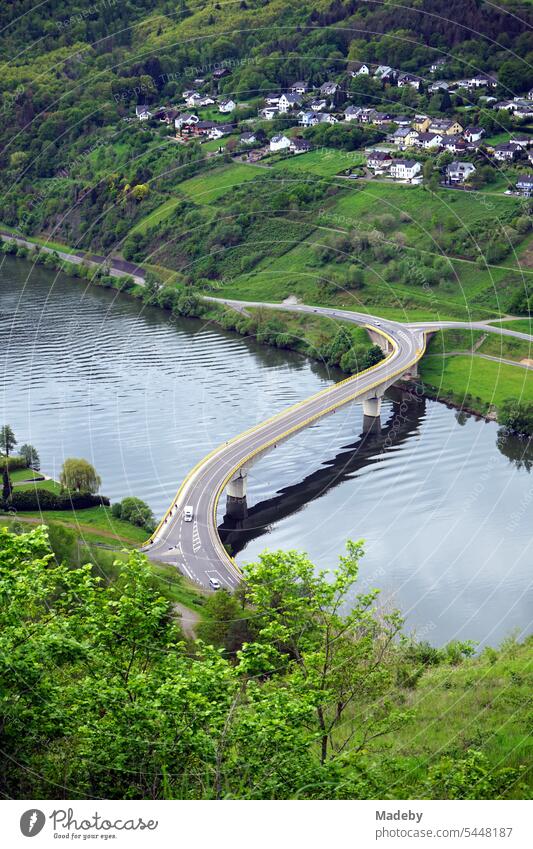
{"x":442,"y":504}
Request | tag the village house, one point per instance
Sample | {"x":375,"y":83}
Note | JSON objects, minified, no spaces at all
{"x":421,"y":123}
{"x":454,"y":144}
{"x":379,"y":161}
{"x":404,"y":137}
{"x":507,"y":152}
{"x":219,"y":73}
{"x":438,"y":85}
{"x":482,"y":81}
{"x":428,"y":141}
{"x":220,"y":130}
{"x":359,"y":69}
{"x":289,"y":101}
{"x":529,"y":95}
{"x":318,"y":105}
{"x":522,"y":141}
{"x":523,"y":109}
{"x":299,"y":87}
{"x":352,"y":113}
{"x":202,"y":128}
{"x":226,"y":105}
{"x":438,"y":64}
{"x":507,"y":105}
{"x":186,"y":118}
{"x":409,"y":79}
{"x":279,"y":143}
{"x":366,"y":116}
{"x":329,"y":89}
{"x":525,"y":186}
{"x":269,"y":112}
{"x":307,"y":119}
{"x":167,"y":115}
{"x":326,"y":118}
{"x":474,"y":134}
{"x":384,"y":72}
{"x":299,"y":146}
{"x":459,"y":172}
{"x":272,"y":99}
{"x":381,"y":118}
{"x":143,"y":113}
{"x":445,"y":126}
{"x":404,"y":169}
{"x":401,"y":120}
{"x":248,"y":138}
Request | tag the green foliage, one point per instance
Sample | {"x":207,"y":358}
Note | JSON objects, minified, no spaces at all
{"x":135,"y":511}
{"x":517,"y":417}
{"x":78,"y":475}
{"x":30,"y":456}
{"x":470,"y":777}
{"x":293,"y":698}
{"x":7,"y":440}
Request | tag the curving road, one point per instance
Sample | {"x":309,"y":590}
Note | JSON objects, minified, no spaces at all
{"x":195,"y":546}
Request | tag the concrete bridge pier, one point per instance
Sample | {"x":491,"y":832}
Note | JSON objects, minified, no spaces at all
{"x":236,"y":504}
{"x":372,"y":407}
{"x":372,"y":424}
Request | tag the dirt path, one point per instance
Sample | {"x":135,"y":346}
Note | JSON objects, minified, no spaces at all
{"x":189,"y":619}
{"x":88,"y":529}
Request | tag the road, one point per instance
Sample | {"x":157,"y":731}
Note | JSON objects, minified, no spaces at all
{"x":195,"y":546}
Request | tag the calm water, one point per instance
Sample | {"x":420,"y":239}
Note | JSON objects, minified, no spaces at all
{"x":445,"y":514}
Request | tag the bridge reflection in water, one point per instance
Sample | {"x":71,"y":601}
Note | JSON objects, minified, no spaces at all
{"x":243,"y":523}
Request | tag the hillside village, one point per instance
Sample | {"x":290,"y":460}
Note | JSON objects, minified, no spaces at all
{"x":466,"y":137}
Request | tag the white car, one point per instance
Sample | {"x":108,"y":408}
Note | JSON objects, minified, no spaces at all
{"x":188,"y":513}
{"x":214,"y":584}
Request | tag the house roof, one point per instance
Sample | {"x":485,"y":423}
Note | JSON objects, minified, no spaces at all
{"x":461,"y":166}
{"x":302,"y":144}
{"x":407,"y":163}
{"x":380,"y":155}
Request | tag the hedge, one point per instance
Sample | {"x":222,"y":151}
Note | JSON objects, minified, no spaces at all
{"x":43,"y":499}
{"x":15,"y":462}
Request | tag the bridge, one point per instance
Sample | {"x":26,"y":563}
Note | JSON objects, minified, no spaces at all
{"x":196,"y":547}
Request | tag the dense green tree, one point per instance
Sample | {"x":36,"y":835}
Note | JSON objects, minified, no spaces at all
{"x":78,"y":475}
{"x":7,"y":440}
{"x":136,"y":511}
{"x":31,"y":456}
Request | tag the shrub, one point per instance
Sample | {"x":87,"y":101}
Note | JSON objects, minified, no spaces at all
{"x":43,"y":499}
{"x":136,"y":512}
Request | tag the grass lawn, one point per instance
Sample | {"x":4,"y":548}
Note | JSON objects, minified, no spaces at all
{"x":485,"y":382}
{"x":484,"y":698}
{"x":522,"y":325}
{"x":209,"y":187}
{"x":214,"y":144}
{"x":492,"y":344}
{"x":95,"y":522}
{"x":323,"y":162}
{"x":51,"y":486}
{"x":428,"y":211}
{"x":156,"y":216}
